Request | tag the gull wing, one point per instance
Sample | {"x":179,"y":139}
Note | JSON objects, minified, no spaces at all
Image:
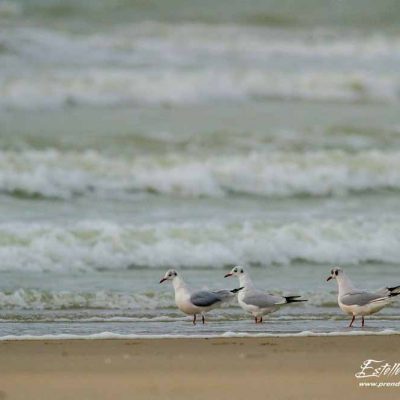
{"x":263,"y":300}
{"x":204,"y":298}
{"x":361,"y":298}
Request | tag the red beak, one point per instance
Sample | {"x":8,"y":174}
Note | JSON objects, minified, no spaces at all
{"x":227,"y":275}
{"x":163,"y":279}
{"x":329,"y":278}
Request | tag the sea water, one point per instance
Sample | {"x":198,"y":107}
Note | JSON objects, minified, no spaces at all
{"x":134,"y":139}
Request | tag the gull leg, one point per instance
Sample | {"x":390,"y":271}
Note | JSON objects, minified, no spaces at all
{"x":351,"y":323}
{"x":261,"y":319}
{"x":362,"y":323}
{"x":255,"y":319}
{"x":194,"y":319}
{"x":203,"y":319}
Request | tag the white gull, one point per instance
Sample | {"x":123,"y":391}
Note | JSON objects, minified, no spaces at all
{"x":255,"y":301}
{"x":196,"y":302}
{"x":356,"y":302}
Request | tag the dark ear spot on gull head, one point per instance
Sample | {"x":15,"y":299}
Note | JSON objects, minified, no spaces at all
{"x":169,"y":275}
{"x":334,"y":273}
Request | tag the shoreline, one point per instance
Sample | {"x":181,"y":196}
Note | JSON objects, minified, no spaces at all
{"x":223,"y":368}
{"x":225,"y":335}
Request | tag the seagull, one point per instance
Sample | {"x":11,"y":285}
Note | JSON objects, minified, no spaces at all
{"x":196,"y":302}
{"x":258,"y":302}
{"x":356,"y":302}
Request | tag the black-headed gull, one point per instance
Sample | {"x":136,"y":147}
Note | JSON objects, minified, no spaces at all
{"x":258,"y":302}
{"x":356,"y":302}
{"x":196,"y":302}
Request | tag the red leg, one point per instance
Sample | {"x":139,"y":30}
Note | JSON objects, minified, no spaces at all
{"x":351,"y":323}
{"x":203,"y":319}
{"x":261,"y":320}
{"x":362,"y":323}
{"x":194,"y":319}
{"x":255,"y":319}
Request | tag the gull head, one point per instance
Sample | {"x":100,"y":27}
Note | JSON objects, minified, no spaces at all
{"x":170,"y":275}
{"x":236,"y":271}
{"x":335,"y":272}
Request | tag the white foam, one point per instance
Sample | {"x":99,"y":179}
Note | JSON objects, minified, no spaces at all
{"x":101,"y":87}
{"x":111,"y":335}
{"x":34,"y":299}
{"x":100,"y":245}
{"x":111,"y":66}
{"x":52,"y":173}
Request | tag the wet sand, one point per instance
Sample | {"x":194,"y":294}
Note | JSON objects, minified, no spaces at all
{"x":225,"y":368}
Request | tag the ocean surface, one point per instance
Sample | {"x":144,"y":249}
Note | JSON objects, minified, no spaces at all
{"x":141,"y":136}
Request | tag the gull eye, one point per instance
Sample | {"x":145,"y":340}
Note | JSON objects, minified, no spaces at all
{"x":170,"y":274}
{"x":235,"y":270}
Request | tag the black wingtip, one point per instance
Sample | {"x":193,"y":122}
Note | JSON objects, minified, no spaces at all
{"x":294,"y":299}
{"x":392,"y":289}
{"x":237,"y":290}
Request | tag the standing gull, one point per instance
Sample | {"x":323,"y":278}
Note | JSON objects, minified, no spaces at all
{"x":196,"y":302}
{"x":258,"y":302}
{"x":356,"y":302}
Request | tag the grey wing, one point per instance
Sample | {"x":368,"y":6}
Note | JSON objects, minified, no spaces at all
{"x":262,"y":300}
{"x":361,"y":298}
{"x":204,"y":298}
{"x":386,"y":291}
{"x":224,"y":294}
{"x":221,"y":292}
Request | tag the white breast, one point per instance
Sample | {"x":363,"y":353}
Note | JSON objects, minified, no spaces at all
{"x":182,"y":300}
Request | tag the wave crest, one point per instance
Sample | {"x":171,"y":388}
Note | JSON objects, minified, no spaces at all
{"x":67,"y":300}
{"x":52,"y":173}
{"x":152,"y":63}
{"x":101,"y":246}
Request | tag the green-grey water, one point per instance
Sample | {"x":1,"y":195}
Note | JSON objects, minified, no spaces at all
{"x":140,"y":136}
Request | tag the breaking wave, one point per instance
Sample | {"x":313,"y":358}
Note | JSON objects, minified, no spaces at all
{"x":155,"y":63}
{"x":97,"y":245}
{"x":54,"y":174}
{"x":75,"y":300}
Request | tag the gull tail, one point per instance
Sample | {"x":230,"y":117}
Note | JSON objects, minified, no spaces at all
{"x":239,"y":289}
{"x":293,"y":299}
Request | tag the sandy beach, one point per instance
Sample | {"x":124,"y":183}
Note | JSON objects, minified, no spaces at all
{"x":225,"y":368}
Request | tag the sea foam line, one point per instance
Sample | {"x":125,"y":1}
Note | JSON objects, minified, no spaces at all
{"x":111,"y":66}
{"x":229,"y":334}
{"x":52,"y":173}
{"x":102,"y":245}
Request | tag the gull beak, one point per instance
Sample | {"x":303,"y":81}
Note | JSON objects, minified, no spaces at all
{"x":227,"y":275}
{"x":329,"y":278}
{"x":163,"y":280}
